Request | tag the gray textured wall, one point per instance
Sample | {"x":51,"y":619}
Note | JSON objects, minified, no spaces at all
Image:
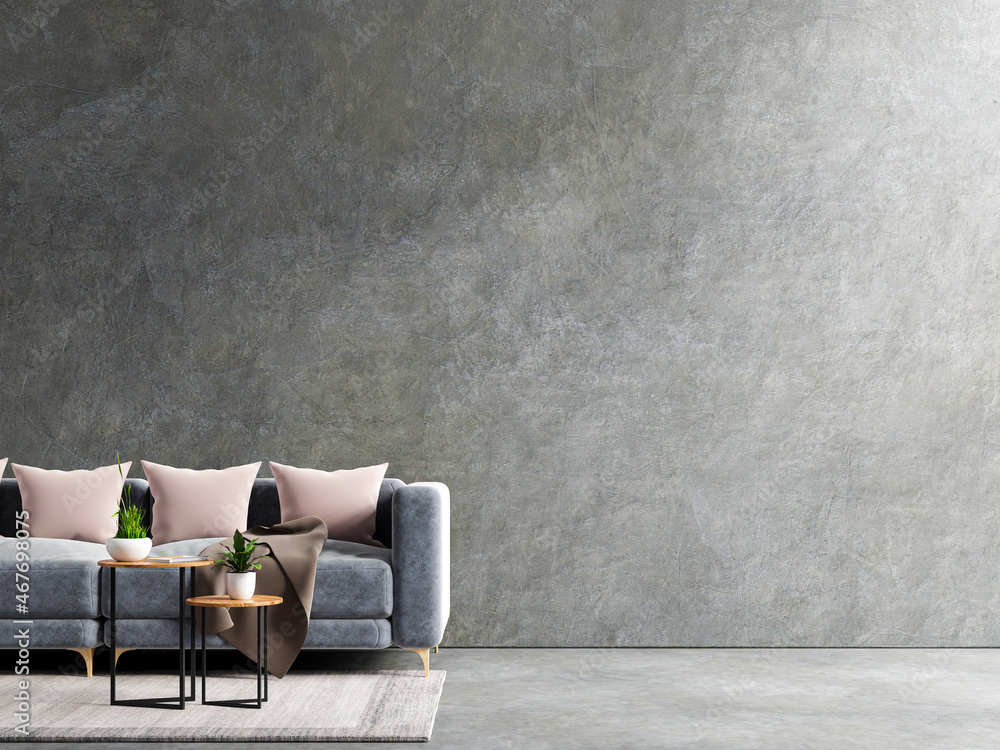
{"x":694,"y":305}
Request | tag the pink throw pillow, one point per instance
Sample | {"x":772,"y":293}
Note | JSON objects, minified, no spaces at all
{"x":77,"y":505}
{"x":190,"y":504}
{"x":344,"y":499}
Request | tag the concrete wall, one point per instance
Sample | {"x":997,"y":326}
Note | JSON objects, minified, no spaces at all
{"x":694,"y":305}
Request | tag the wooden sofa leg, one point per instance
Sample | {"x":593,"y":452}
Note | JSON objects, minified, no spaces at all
{"x":435,"y":649}
{"x":119,"y":652}
{"x":88,"y":657}
{"x":425,"y":657}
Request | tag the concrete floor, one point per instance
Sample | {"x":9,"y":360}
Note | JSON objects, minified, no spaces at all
{"x":696,"y":698}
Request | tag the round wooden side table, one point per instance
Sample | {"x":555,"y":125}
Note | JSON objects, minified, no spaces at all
{"x":260,"y":602}
{"x":181,"y":566}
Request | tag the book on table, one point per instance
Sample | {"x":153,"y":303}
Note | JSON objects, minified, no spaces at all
{"x":177,"y":558}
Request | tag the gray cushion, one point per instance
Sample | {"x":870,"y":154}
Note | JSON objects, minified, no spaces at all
{"x":352,"y":581}
{"x":156,"y":633}
{"x":55,"y":633}
{"x":348,"y":634}
{"x":63,"y":577}
{"x":162,"y":634}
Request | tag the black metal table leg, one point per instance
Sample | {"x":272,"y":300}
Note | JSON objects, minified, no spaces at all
{"x":176,"y":701}
{"x":204,"y":656}
{"x":111,"y":638}
{"x":180,"y":635}
{"x":262,"y":625}
{"x":259,"y":613}
{"x":267,"y":615}
{"x":193,"y":594}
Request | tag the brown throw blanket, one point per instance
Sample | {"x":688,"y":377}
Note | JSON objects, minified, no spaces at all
{"x":289,"y":571}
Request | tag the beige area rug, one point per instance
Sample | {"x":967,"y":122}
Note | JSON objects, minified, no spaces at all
{"x":381,"y":706}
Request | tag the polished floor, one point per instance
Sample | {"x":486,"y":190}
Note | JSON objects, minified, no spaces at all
{"x":692,"y":698}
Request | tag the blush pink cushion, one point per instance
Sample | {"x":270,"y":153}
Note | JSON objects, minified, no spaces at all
{"x":344,"y":499}
{"x":189,"y":504}
{"x":71,"y":504}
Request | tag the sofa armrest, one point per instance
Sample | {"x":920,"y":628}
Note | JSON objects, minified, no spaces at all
{"x":421,"y":564}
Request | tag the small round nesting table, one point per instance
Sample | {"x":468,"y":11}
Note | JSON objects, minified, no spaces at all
{"x":258,"y":601}
{"x":181,"y":566}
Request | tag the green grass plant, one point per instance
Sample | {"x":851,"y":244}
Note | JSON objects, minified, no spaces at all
{"x":130,"y":516}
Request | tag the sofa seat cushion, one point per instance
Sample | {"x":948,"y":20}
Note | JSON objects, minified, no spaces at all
{"x":53,"y":633}
{"x":323,"y":634}
{"x":352,"y":581}
{"x":63,"y":577}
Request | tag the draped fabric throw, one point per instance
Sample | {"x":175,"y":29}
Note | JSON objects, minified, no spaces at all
{"x":288,"y":571}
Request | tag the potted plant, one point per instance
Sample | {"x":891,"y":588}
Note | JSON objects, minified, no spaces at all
{"x":132,"y":542}
{"x":241,"y":580}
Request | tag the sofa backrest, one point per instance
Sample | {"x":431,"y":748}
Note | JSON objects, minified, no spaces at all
{"x":264,"y":508}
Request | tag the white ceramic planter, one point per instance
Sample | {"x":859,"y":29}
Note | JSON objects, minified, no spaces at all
{"x":241,"y":585}
{"x":129,"y":550}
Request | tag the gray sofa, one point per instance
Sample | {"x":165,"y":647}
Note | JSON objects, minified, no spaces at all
{"x":364,"y":598}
